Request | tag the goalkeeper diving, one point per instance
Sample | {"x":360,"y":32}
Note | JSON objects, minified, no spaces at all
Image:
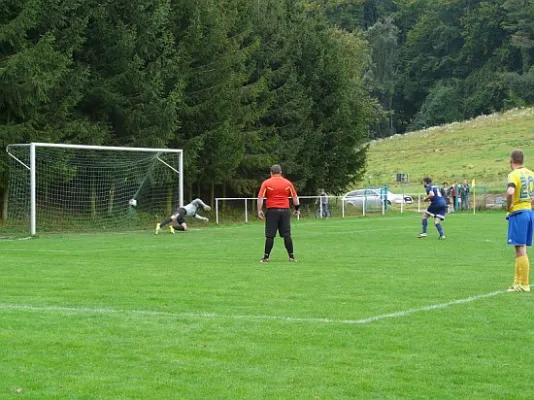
{"x":177,"y":219}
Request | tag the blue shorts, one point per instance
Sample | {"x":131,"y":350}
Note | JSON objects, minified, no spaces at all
{"x":437,"y":211}
{"x":520,"y":227}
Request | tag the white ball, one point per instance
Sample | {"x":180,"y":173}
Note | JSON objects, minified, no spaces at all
{"x":133,"y":202}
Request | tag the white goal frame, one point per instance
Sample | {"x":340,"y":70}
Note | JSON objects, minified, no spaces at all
{"x":33,"y":164}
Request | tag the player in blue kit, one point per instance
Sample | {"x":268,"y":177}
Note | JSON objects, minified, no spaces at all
{"x":437,"y":208}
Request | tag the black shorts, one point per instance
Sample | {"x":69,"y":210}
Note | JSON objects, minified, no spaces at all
{"x":179,"y":215}
{"x":278,"y":219}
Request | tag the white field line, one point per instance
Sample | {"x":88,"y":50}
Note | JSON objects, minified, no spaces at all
{"x":215,"y":316}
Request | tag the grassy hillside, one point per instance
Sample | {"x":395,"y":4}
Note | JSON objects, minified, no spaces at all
{"x":474,"y":149}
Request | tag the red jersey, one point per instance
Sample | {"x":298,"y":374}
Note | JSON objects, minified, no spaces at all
{"x":276,"y":190}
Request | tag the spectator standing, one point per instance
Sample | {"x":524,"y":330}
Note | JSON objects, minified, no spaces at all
{"x":454,"y":195}
{"x":445,"y":193}
{"x":465,"y":195}
{"x":322,"y":210}
{"x":459,"y":196}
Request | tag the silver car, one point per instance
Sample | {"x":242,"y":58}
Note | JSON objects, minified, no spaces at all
{"x":399,"y":198}
{"x":374,"y":197}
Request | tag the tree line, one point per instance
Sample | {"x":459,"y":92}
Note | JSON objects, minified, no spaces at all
{"x":240,"y":84}
{"x":440,"y":61}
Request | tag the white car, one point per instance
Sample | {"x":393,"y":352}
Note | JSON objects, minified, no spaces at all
{"x":399,"y":198}
{"x":375,"y":197}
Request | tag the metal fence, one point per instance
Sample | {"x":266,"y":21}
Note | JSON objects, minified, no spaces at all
{"x":243,"y":209}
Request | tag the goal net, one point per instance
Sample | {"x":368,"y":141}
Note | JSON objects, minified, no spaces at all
{"x":75,"y":188}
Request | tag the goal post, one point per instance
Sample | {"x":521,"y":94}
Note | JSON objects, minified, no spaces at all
{"x":70,"y":187}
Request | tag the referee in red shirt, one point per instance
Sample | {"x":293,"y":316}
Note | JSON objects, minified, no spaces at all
{"x":277,"y":190}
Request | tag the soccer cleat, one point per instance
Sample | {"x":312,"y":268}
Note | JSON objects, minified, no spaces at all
{"x":442,"y":237}
{"x":264,"y":260}
{"x":292,"y":259}
{"x":518,"y":288}
{"x":171,"y":229}
{"x":422,"y":235}
{"x":158,"y":227}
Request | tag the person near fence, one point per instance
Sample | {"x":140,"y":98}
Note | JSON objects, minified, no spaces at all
{"x":465,"y":195}
{"x":459,"y":194}
{"x":177,"y":219}
{"x":445,"y":193}
{"x":454,"y":195}
{"x":519,"y":199}
{"x":322,"y":205}
{"x":437,"y":208}
{"x":276,"y":192}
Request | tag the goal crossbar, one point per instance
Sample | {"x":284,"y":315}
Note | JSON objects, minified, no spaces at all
{"x":93,"y":147}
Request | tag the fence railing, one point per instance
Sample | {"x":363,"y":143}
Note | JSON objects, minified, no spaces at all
{"x":238,"y":209}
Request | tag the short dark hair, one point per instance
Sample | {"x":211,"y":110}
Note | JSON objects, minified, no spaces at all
{"x":517,"y":157}
{"x":427,"y":180}
{"x":276,"y":169}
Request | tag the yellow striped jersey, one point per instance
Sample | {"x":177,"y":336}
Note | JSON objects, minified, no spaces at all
{"x":523,"y":180}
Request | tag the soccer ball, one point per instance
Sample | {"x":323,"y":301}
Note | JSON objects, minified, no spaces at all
{"x":133,"y":202}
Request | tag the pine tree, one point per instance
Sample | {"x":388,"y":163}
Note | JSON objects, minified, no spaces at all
{"x":382,"y":74}
{"x":134,"y":84}
{"x":216,"y":44}
{"x":40,"y":83}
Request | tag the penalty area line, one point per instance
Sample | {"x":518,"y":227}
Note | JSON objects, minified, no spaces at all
{"x":207,"y":315}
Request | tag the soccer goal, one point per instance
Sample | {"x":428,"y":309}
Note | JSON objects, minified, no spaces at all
{"x":76,"y":188}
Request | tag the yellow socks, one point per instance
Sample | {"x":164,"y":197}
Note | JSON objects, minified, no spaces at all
{"x":522,"y":270}
{"x":516,"y":272}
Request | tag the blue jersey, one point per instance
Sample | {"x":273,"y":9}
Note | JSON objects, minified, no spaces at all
{"x":437,"y":199}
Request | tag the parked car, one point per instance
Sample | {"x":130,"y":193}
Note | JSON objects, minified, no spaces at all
{"x":375,"y":197}
{"x":400,"y":198}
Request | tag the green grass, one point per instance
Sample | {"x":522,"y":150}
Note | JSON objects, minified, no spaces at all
{"x":196,"y":316}
{"x":474,"y":149}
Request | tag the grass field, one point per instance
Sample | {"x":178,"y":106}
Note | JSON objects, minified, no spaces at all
{"x":367,"y":312}
{"x":474,"y":149}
